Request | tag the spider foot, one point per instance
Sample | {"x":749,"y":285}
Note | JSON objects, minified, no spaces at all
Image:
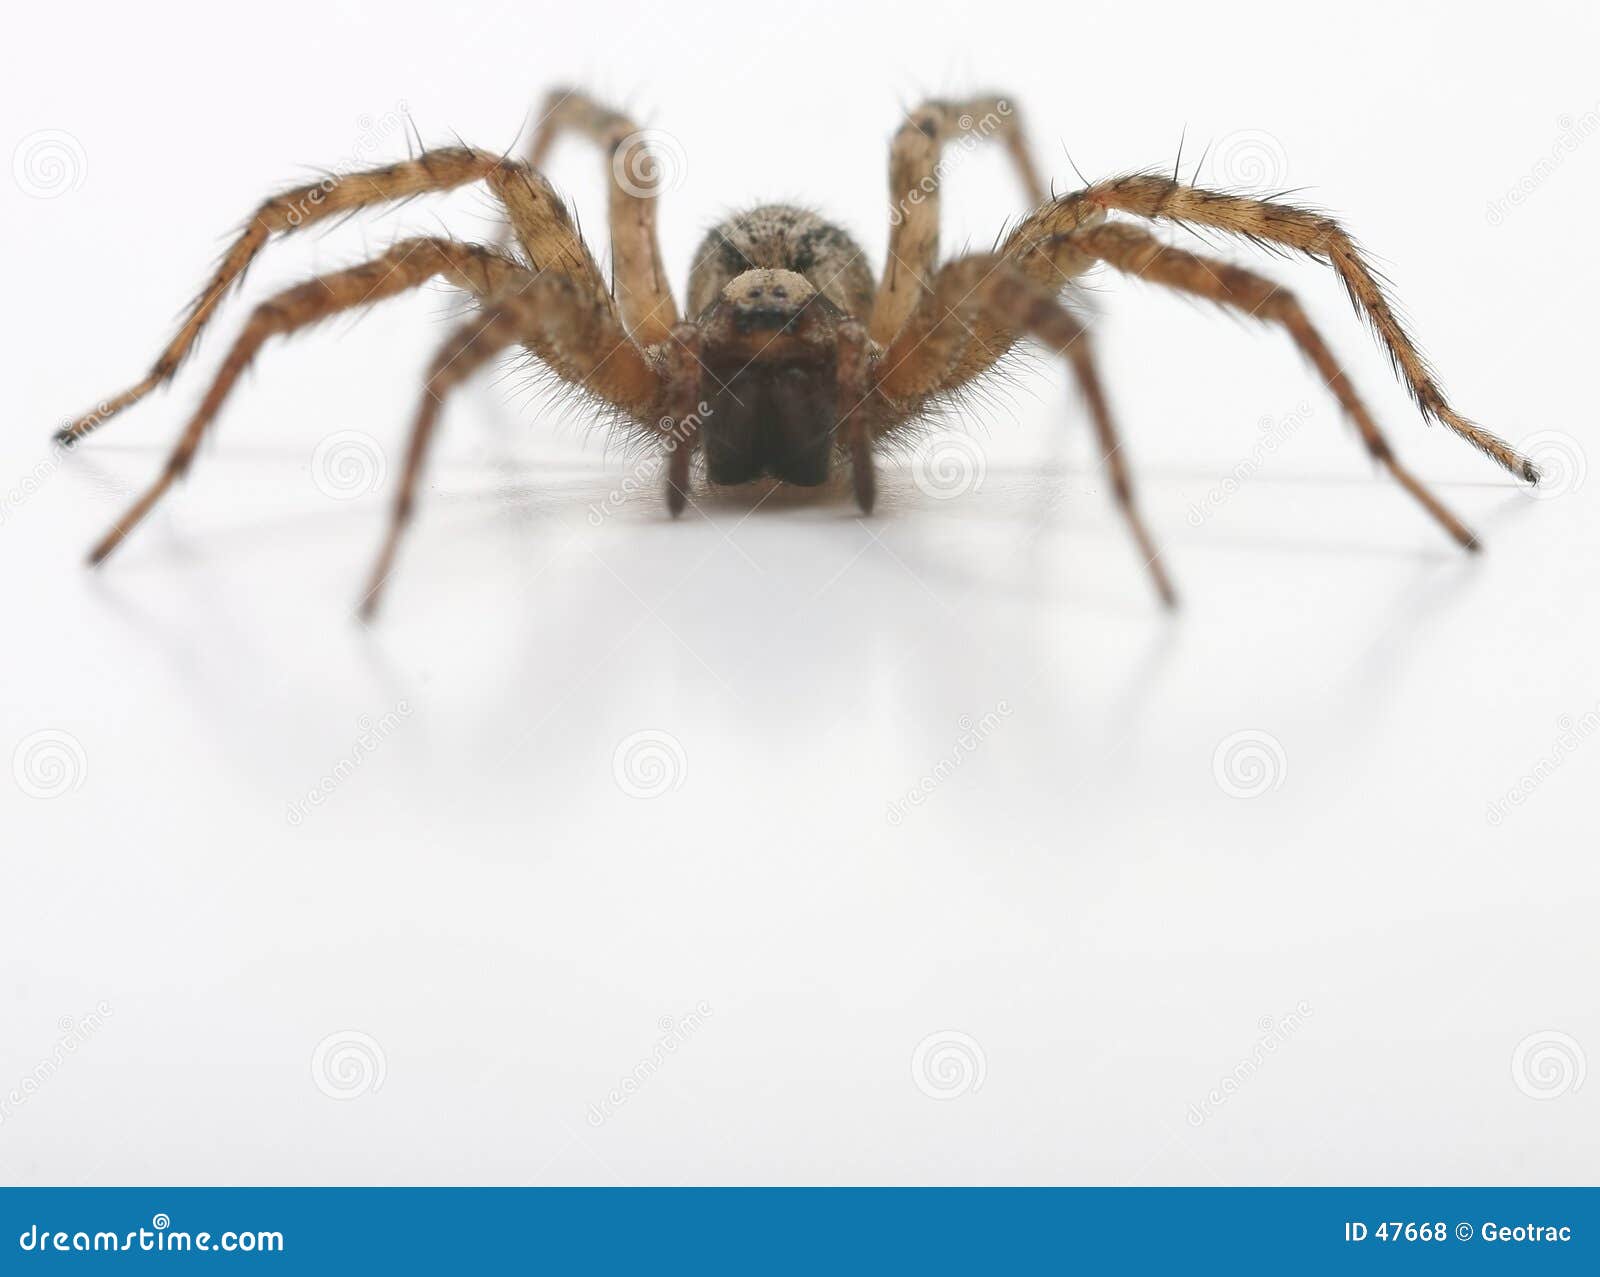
{"x":864,"y":479}
{"x":1169,"y":596}
{"x":677,"y":480}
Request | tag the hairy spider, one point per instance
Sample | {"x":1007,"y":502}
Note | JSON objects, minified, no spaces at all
{"x":791,"y":358}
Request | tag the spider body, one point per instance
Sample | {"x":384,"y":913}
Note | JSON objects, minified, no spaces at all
{"x":792,"y":358}
{"x":768,"y":347}
{"x":769,"y":289}
{"x":782,"y":237}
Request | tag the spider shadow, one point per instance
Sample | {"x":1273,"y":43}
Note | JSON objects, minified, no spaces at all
{"x":1428,"y":595}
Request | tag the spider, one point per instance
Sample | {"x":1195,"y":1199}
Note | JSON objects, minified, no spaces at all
{"x":791,"y":360}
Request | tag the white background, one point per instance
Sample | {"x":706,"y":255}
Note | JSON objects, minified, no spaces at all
{"x":1081,"y":899}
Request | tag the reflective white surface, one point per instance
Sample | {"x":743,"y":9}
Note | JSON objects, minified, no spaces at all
{"x":1041,"y":967}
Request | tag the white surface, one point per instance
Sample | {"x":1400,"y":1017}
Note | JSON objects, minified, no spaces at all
{"x":1080,"y":897}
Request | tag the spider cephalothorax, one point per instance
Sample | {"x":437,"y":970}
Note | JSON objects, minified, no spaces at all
{"x":791,"y":357}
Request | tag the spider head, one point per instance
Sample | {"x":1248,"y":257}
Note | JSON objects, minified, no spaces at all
{"x":768,"y":314}
{"x":768,"y":345}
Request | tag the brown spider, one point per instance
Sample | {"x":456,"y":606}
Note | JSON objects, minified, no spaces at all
{"x":791,"y":357}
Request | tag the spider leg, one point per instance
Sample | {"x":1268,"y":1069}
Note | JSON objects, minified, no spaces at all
{"x":624,"y":378}
{"x":984,"y":293}
{"x":681,"y":425}
{"x":1038,"y":312}
{"x":1278,"y":224}
{"x":466,"y":350}
{"x":643,"y":292}
{"x":582,"y":340}
{"x":1136,"y":252}
{"x":541,"y":221}
{"x":914,"y":180}
{"x":854,"y":374}
{"x":942,"y":333}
